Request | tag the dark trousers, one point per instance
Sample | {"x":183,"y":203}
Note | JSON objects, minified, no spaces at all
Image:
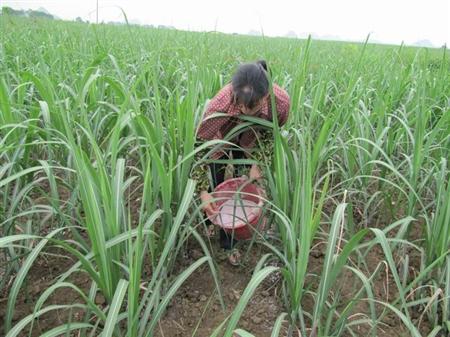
{"x":218,"y":176}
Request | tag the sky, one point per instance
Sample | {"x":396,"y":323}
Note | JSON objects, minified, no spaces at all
{"x":387,"y":21}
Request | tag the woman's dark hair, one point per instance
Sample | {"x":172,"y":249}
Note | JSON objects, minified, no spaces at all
{"x":250,"y":83}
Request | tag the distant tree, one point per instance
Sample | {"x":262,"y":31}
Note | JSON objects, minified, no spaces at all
{"x":291,"y":34}
{"x":9,"y":11}
{"x":134,"y":22}
{"x":423,"y":43}
{"x":78,"y":19}
{"x":39,"y":14}
{"x":6,"y":10}
{"x":254,"y":32}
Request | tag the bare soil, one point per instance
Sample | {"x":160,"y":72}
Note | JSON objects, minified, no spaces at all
{"x":196,"y":309}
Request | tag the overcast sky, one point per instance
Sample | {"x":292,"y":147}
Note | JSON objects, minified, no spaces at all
{"x":388,"y":21}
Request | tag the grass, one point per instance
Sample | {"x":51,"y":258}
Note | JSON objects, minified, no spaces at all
{"x":97,"y":145}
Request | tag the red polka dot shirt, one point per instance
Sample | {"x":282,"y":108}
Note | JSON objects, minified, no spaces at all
{"x":217,"y":127}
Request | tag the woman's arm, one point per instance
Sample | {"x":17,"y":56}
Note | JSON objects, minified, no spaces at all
{"x":283,"y":104}
{"x":215,"y":127}
{"x":209,"y":206}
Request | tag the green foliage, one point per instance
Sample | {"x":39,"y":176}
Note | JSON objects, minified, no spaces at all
{"x":97,"y":142}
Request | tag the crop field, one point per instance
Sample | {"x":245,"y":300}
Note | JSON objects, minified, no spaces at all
{"x":101,"y":228}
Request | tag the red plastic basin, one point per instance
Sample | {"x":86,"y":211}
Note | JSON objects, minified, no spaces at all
{"x":242,"y":223}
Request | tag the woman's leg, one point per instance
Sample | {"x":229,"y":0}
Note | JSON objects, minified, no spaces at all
{"x":218,"y":176}
{"x":226,"y":240}
{"x":217,"y":173}
{"x":239,"y":154}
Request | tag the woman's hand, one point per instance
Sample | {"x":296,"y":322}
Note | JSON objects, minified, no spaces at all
{"x":209,"y":206}
{"x":255,"y":173}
